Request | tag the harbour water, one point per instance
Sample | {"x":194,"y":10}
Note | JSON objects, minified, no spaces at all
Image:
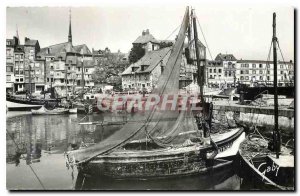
{"x":39,"y":160}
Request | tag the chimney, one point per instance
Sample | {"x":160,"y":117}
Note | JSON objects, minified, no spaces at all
{"x":143,"y":33}
{"x":147,"y":32}
{"x":16,"y":40}
{"x":26,"y":39}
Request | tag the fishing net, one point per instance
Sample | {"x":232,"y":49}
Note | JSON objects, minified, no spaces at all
{"x":163,"y":127}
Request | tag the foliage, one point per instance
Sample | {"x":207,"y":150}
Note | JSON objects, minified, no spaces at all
{"x":136,"y":52}
{"x":109,"y":68}
{"x":165,"y":44}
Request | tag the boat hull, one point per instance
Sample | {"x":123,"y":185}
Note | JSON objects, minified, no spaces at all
{"x":165,"y":163}
{"x":13,"y":106}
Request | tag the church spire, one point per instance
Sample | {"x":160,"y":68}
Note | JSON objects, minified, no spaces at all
{"x":70,"y":28}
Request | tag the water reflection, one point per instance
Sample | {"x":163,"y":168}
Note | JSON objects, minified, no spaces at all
{"x":43,"y":140}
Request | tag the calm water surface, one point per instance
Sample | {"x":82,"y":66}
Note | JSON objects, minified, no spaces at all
{"x":43,"y":141}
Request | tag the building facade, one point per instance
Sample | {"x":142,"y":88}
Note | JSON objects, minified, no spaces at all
{"x":145,"y":73}
{"x":253,"y":72}
{"x":33,"y":69}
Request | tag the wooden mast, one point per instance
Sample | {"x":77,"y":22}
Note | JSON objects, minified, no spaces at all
{"x":276,"y":134}
{"x":199,"y":72}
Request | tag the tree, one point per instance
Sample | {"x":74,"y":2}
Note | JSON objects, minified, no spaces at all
{"x":136,"y":52}
{"x":165,"y":44}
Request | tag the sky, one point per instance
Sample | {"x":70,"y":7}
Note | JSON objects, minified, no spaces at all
{"x":242,"y":30}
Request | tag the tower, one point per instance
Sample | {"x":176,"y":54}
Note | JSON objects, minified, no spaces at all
{"x":70,"y":28}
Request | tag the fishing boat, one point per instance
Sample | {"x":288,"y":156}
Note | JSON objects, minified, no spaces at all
{"x":44,"y":111}
{"x":164,"y":144}
{"x":269,"y":163}
{"x":27,"y":103}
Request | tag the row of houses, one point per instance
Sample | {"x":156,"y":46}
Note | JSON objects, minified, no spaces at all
{"x":33,"y":69}
{"x":224,"y":70}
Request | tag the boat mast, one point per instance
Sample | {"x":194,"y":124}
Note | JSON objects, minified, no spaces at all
{"x":66,"y":79}
{"x":276,"y":134}
{"x":199,"y":72}
{"x":82,"y":76}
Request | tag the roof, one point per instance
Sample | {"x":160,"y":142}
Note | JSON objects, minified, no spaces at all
{"x":150,"y":59}
{"x":61,"y":50}
{"x":143,"y":39}
{"x":31,"y":42}
{"x":12,"y":42}
{"x":82,"y":49}
{"x":260,"y":61}
{"x":225,"y":57}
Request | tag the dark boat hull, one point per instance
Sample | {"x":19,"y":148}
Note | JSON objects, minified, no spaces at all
{"x":165,"y":163}
{"x":251,"y":93}
{"x":22,"y":104}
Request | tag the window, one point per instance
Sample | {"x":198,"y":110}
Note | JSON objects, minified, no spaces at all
{"x":220,"y":70}
{"x":62,"y":80}
{"x":78,"y":68}
{"x":260,"y":65}
{"x":260,"y":77}
{"x":86,"y":70}
{"x":247,"y":71}
{"x":281,"y":72}
{"x":253,"y":72}
{"x":210,"y":70}
{"x":281,"y":66}
{"x":51,"y":79}
{"x":268,"y":78}
{"x":47,"y":79}
{"x":268,"y":71}
{"x":8,"y":78}
{"x":260,"y":72}
{"x":242,"y":77}
{"x":242,"y":72}
{"x":247,"y":78}
{"x":254,"y":65}
{"x":148,"y":84}
{"x":21,"y":79}
{"x":215,"y":71}
{"x":9,"y":69}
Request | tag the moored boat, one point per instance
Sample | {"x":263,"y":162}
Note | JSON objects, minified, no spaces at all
{"x":44,"y":111}
{"x":269,"y":163}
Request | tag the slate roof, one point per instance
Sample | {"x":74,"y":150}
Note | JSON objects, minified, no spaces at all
{"x":151,"y":59}
{"x":142,"y":39}
{"x":31,"y":42}
{"x":61,"y":50}
{"x":225,"y":57}
{"x":82,"y":49}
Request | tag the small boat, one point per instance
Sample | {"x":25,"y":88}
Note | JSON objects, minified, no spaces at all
{"x":259,"y":163}
{"x":73,"y":110}
{"x":266,"y":161}
{"x":44,"y":111}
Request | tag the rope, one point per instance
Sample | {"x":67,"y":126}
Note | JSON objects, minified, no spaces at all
{"x":283,"y":59}
{"x":204,"y":37}
{"x":24,"y":158}
{"x":172,"y":32}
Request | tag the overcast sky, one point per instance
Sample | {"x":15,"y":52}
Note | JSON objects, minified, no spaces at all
{"x":242,"y":30}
